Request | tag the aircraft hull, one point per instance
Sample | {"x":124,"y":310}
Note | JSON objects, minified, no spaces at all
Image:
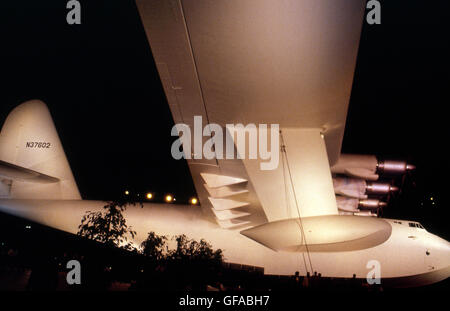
{"x":402,"y":258}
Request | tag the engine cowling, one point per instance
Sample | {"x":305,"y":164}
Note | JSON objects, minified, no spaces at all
{"x":369,"y":167}
{"x":359,"y":188}
{"x":354,"y":205}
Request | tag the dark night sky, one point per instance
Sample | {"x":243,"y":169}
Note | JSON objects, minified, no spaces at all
{"x":102,"y":88}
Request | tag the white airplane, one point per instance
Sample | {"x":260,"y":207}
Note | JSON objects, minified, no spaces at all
{"x":287,"y":62}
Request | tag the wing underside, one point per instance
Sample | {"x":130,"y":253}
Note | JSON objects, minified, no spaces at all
{"x":287,"y":62}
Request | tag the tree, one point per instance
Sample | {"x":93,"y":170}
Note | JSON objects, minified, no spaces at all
{"x":193,"y":264}
{"x":108,"y":226}
{"x":188,"y":249}
{"x":154,"y":246}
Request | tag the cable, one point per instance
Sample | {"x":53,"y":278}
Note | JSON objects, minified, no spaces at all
{"x":286,"y":193}
{"x":300,"y":223}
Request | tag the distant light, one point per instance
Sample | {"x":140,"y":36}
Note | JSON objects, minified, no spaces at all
{"x":431,"y":199}
{"x":127,"y":192}
{"x":149,"y":195}
{"x":169,"y":198}
{"x":194,"y":201}
{"x":28,"y":227}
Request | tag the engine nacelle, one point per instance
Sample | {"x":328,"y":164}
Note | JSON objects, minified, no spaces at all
{"x":354,"y":205}
{"x":371,"y":204}
{"x":380,"y":188}
{"x":368,"y":167}
{"x":359,"y":188}
{"x":389,"y":167}
{"x":347,"y":204}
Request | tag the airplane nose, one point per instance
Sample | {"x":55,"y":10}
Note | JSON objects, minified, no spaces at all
{"x":438,"y":251}
{"x":438,"y":257}
{"x":447,"y":260}
{"x":444,"y":252}
{"x":448,"y":254}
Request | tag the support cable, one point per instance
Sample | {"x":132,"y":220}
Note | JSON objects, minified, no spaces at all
{"x":300,"y":223}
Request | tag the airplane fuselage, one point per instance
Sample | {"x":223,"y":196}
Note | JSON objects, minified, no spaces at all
{"x":410,"y":256}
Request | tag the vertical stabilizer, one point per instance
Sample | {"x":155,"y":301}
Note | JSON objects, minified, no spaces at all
{"x":29,"y":144}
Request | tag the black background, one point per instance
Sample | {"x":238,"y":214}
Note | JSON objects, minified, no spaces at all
{"x":100,"y":83}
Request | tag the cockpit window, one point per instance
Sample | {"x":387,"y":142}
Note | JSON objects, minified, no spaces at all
{"x":416,"y":225}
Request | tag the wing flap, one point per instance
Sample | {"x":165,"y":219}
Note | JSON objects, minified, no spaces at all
{"x":220,"y":204}
{"x":216,"y":181}
{"x":229,"y":214}
{"x":233,"y":223}
{"x":224,"y":191}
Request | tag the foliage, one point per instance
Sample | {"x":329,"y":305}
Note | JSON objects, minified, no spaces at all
{"x":108,"y":226}
{"x":154,"y":246}
{"x":188,"y":249}
{"x":189,"y":263}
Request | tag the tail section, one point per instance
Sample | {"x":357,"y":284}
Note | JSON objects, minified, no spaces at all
{"x":33,"y":164}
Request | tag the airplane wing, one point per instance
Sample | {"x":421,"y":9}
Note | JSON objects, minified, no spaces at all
{"x":288,"y":62}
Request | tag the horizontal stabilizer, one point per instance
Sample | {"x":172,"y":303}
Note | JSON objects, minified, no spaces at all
{"x":15,"y":172}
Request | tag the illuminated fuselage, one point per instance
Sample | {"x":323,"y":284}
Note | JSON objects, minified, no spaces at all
{"x":410,"y":256}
